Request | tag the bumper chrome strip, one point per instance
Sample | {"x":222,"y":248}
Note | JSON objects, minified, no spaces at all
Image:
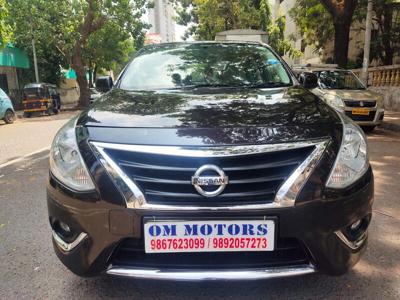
{"x":68,"y":246}
{"x":354,"y":245}
{"x":285,"y":196}
{"x":196,"y":275}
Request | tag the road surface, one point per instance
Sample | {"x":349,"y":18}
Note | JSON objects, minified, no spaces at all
{"x":27,"y":136}
{"x":29,"y":268}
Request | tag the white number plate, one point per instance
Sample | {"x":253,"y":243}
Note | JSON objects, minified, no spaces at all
{"x":209,"y":236}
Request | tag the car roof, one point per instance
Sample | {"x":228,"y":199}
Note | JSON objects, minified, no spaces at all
{"x":205,"y":43}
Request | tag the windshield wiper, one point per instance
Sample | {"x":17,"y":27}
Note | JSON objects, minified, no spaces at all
{"x":269,"y":85}
{"x":206,"y":85}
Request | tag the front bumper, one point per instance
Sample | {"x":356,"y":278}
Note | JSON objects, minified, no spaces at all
{"x":362,"y":121}
{"x":107,"y":225}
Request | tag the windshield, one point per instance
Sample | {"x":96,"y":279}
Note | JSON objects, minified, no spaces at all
{"x":173,"y":66}
{"x":339,"y":80}
{"x":34,"y":93}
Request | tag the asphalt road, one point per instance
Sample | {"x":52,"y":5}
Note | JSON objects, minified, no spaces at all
{"x":26,"y":136}
{"x":30,"y":269}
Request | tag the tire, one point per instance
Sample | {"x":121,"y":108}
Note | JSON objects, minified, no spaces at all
{"x":368,"y":128}
{"x":9,"y":117}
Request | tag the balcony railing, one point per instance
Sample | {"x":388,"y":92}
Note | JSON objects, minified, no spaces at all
{"x":387,"y":76}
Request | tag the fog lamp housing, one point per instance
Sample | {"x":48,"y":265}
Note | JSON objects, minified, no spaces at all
{"x":355,"y":234}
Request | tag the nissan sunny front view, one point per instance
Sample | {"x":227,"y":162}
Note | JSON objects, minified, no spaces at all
{"x":209,"y":160}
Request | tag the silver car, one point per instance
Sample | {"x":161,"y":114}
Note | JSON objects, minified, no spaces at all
{"x":342,"y":90}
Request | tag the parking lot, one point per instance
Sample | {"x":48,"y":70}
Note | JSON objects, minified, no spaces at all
{"x":30,"y":269}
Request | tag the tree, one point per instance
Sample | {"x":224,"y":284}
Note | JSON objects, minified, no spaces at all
{"x":37,"y":19}
{"x":107,"y":49}
{"x":206,"y":18}
{"x":5,"y":29}
{"x":311,"y":18}
{"x":341,"y":12}
{"x":313,"y":22}
{"x":386,"y":40}
{"x":73,"y":31}
{"x":93,"y":16}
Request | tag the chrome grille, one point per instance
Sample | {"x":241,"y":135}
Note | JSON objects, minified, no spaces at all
{"x":358,"y":103}
{"x":166,"y":178}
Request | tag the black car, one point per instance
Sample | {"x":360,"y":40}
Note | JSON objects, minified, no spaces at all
{"x":209,"y":160}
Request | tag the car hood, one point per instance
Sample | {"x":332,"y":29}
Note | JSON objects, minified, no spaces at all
{"x":209,"y":108}
{"x":210,"y":117}
{"x":354,"y":94}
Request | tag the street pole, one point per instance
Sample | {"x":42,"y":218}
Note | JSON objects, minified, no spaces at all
{"x":367,"y":44}
{"x":35,"y":60}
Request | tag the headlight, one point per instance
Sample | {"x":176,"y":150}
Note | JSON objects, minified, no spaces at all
{"x":66,"y":163}
{"x":379,"y":102}
{"x":338,"y":103}
{"x":335,"y":101}
{"x":352,"y":160}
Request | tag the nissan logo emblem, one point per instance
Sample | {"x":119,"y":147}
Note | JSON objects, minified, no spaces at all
{"x":220,"y":180}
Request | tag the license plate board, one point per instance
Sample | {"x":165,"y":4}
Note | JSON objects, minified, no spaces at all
{"x":360,"y":111}
{"x":209,"y":236}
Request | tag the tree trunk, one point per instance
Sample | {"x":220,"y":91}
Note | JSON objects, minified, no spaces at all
{"x":341,"y":48}
{"x":386,"y":34}
{"x":95,"y":74}
{"x":342,"y":14}
{"x":79,"y":67}
{"x":84,"y":97}
{"x":90,"y":24}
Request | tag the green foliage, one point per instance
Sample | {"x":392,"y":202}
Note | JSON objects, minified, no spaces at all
{"x":316,"y":26}
{"x":56,"y":26}
{"x":205,"y":18}
{"x":385,"y":44}
{"x":36,"y":19}
{"x":314,"y":22}
{"x":5,"y":29}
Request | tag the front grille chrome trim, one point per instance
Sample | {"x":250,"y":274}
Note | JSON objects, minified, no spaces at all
{"x":285,"y":196}
{"x":199,"y":275}
{"x":206,"y":151}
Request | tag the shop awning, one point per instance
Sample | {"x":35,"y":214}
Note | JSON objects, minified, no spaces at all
{"x":13,"y":57}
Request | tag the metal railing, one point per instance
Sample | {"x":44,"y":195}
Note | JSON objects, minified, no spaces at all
{"x":388,"y":76}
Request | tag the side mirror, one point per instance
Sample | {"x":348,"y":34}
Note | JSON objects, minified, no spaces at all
{"x":104,"y":84}
{"x":308,"y":80}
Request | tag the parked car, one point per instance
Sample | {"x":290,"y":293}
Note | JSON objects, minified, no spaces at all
{"x":209,"y":160}
{"x":42,"y":98}
{"x":7,"y":113}
{"x":342,"y":90}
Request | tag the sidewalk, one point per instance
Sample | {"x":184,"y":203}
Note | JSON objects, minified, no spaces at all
{"x":67,"y":107}
{"x":391,"y":121}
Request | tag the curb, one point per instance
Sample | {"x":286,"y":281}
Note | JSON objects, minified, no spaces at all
{"x":20,"y":114}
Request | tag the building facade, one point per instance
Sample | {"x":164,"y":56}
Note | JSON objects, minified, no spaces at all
{"x":12,"y":60}
{"x":161,"y":19}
